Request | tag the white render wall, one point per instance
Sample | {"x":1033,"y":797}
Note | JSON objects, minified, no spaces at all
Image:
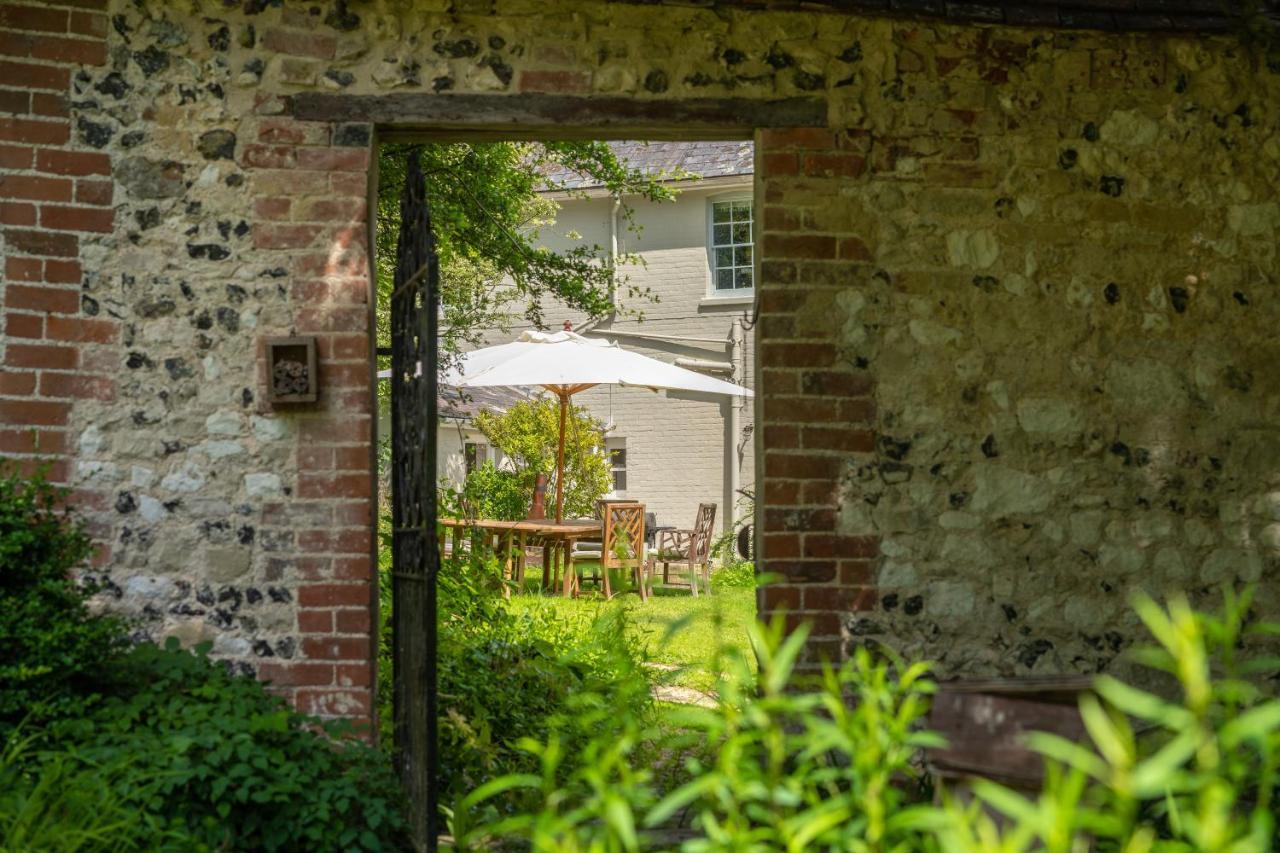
{"x":678,"y":451}
{"x":451,"y":435}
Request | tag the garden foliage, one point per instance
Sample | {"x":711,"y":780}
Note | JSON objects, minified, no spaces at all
{"x":769,"y":768}
{"x":155,"y":747}
{"x":490,"y":492}
{"x":503,"y":673}
{"x":781,"y":764}
{"x":735,"y":574}
{"x":1193,"y":772}
{"x":52,"y":654}
{"x":529,"y":433}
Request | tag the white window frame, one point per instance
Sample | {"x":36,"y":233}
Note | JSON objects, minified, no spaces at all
{"x":612,"y":443}
{"x":736,"y":294}
{"x":482,"y":455}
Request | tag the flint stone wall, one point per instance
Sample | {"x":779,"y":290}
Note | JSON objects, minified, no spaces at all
{"x":1017,"y":310}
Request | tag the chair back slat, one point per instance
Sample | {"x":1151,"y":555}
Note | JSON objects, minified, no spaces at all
{"x":702,"y":531}
{"x":623,"y":522}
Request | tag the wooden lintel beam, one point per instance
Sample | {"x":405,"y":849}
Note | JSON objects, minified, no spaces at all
{"x":562,"y":115}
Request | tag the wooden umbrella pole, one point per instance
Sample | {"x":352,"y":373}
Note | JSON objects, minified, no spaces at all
{"x":564,"y":408}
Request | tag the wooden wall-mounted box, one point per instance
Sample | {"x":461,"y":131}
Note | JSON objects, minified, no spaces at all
{"x":292,"y":376}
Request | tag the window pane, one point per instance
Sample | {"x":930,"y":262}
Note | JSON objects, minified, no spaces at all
{"x":741,"y":211}
{"x":724,"y":258}
{"x":742,"y":256}
{"x":721,"y":235}
{"x":744,"y":278}
{"x":724,"y":279}
{"x":618,"y":457}
{"x":720,"y":212}
{"x":741,"y":233}
{"x":619,"y":481}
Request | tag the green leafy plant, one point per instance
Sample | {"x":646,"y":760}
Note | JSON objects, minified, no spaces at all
{"x":1195,"y":772}
{"x":827,"y":767}
{"x":55,"y":801}
{"x":772,"y":766}
{"x":736,"y":574}
{"x":502,"y":678}
{"x":53,"y":652}
{"x":190,"y":750}
{"x":490,"y":492}
{"x":232,"y":764}
{"x":528,"y":433}
{"x":502,"y":673}
{"x":580,"y":785}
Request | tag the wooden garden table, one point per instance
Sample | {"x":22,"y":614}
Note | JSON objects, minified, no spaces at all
{"x":510,"y":538}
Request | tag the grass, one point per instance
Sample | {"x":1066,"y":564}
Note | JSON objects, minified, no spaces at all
{"x":676,"y":628}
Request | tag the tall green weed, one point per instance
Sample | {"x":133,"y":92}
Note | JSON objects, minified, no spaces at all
{"x":1195,"y":770}
{"x":785,"y":763}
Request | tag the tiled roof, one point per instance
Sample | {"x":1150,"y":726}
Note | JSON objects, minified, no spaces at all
{"x":703,"y":159}
{"x":1121,"y":15}
{"x":455,"y":404}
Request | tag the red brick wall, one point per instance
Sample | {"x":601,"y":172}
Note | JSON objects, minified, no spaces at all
{"x":309,"y":187}
{"x":816,"y":412}
{"x":55,"y":197}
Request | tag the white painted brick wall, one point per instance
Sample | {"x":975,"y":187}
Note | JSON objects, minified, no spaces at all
{"x":676,"y":449}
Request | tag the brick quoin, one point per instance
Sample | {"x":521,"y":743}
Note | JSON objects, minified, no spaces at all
{"x":44,"y":221}
{"x":816,"y":408}
{"x":308,"y":217}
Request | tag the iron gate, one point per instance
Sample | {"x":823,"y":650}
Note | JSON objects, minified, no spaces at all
{"x":415,"y":557}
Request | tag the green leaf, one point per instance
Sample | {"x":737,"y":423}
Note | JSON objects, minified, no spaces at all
{"x":1110,"y":741}
{"x":1159,"y":773}
{"x":498,"y":786}
{"x":619,"y":818}
{"x":1139,"y":703}
{"x":1069,"y":753}
{"x":1005,"y":800}
{"x":1254,"y":724}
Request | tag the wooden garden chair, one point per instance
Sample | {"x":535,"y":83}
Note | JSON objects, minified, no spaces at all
{"x":621,"y":544}
{"x":688,"y":548}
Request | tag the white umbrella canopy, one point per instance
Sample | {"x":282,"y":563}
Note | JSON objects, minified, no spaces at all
{"x":565,"y":360}
{"x":565,"y":363}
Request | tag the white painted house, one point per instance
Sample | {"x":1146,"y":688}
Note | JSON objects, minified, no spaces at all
{"x":673,"y":454}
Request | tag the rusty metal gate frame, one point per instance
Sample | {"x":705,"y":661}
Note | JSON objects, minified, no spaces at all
{"x":415,"y":558}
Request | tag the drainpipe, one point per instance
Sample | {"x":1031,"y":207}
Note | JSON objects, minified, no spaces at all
{"x":613,"y":246}
{"x":732,"y":452}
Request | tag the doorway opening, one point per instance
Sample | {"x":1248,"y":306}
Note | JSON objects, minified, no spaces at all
{"x":434,"y":121}
{"x":626,"y":244}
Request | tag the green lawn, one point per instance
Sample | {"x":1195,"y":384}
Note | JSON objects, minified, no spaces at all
{"x":675,"y":628}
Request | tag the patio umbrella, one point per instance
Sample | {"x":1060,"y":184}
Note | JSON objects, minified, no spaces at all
{"x":565,"y":363}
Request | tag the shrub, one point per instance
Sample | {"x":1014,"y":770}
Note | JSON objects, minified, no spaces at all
{"x":195,"y":753}
{"x":786,"y":765}
{"x":233,"y":765}
{"x":493,"y":493}
{"x":52,"y":651}
{"x":528,"y":433}
{"x":56,"y":802}
{"x":739,"y":574}
{"x":504,"y":676}
{"x":770,"y":767}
